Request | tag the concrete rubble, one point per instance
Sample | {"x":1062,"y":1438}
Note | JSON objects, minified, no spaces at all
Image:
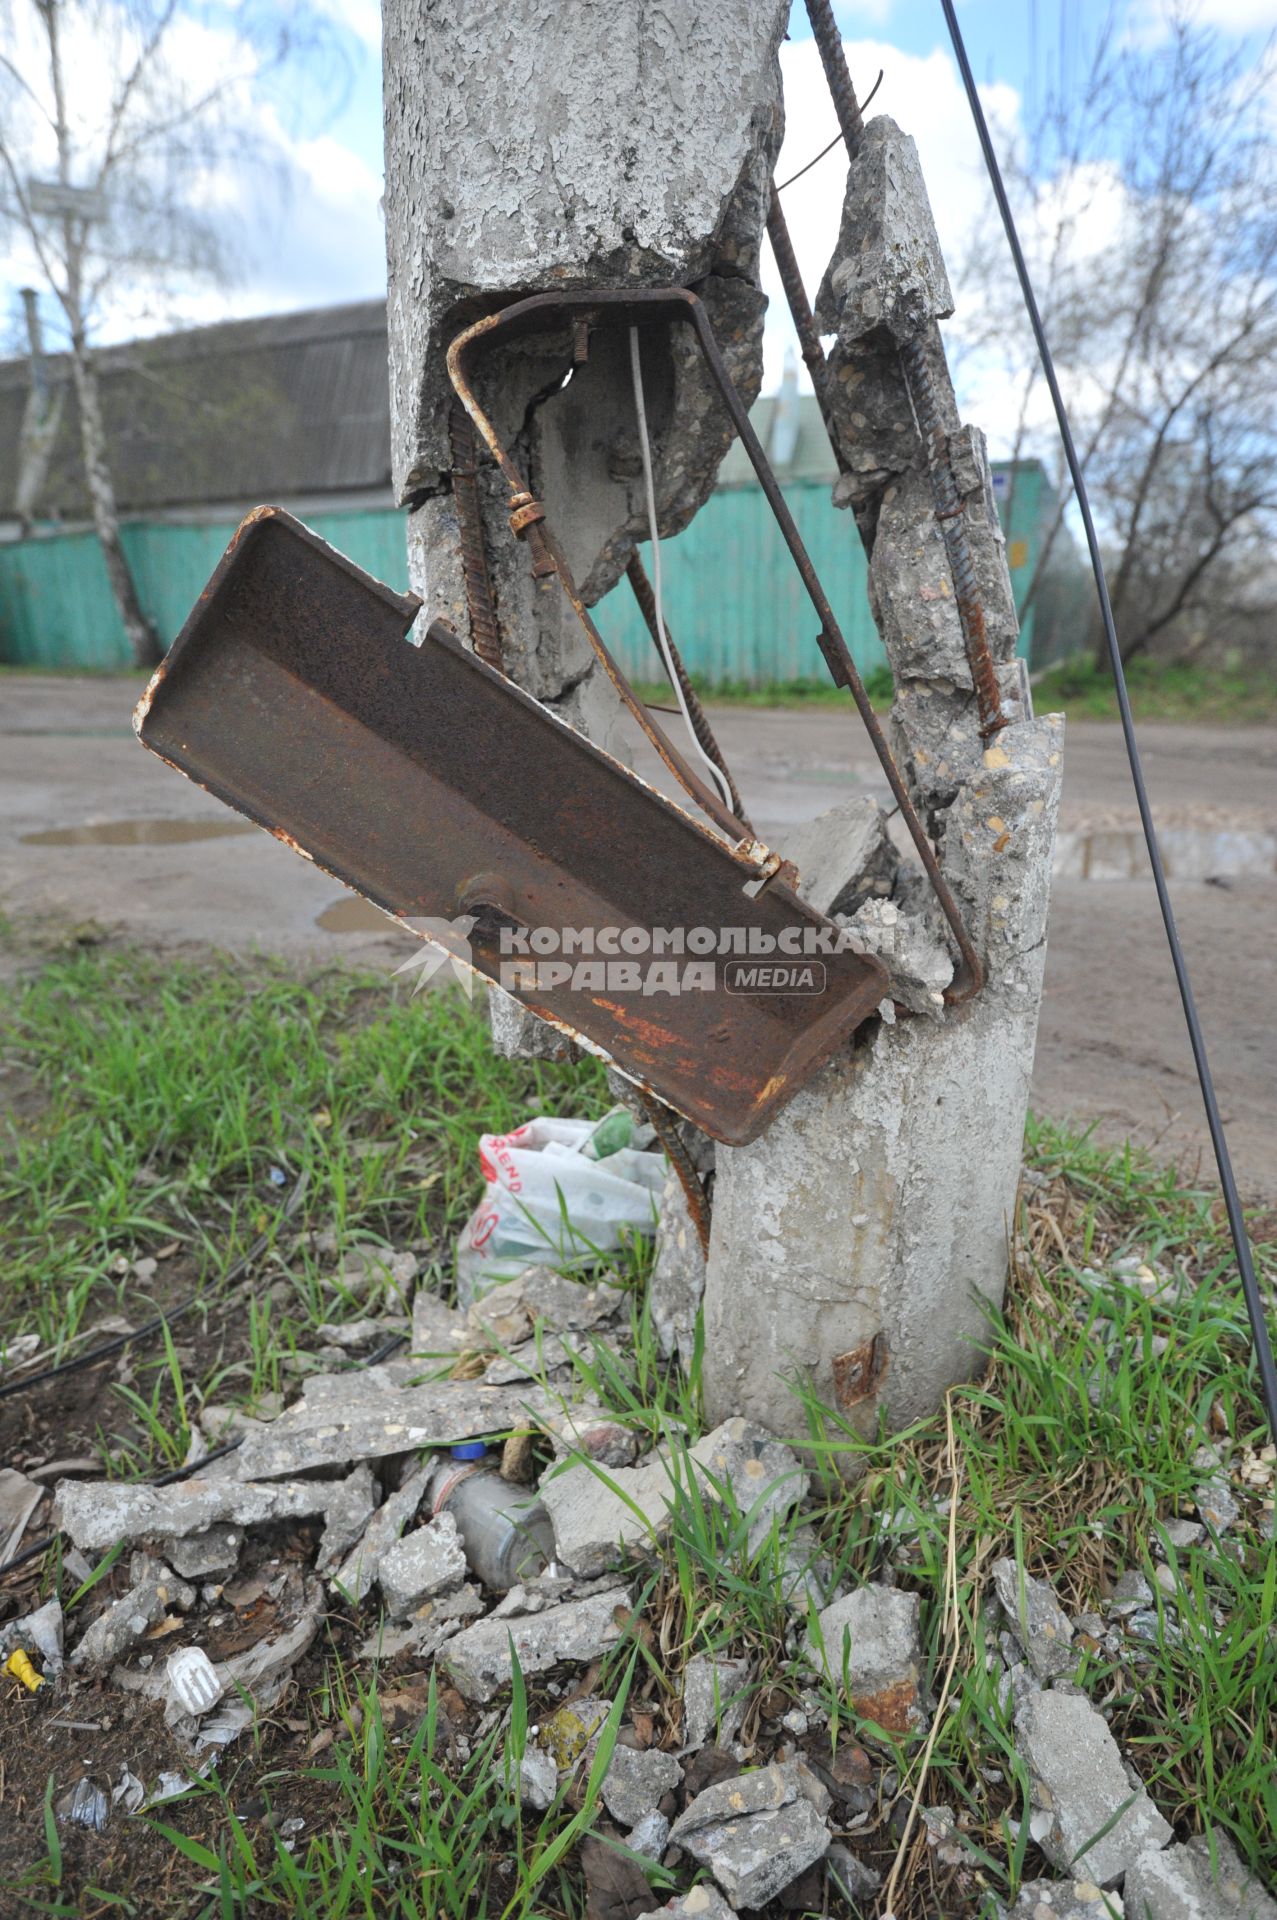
{"x":421,"y":1564}
{"x":1036,"y":1621}
{"x":636,"y":1781}
{"x":701,"y":1902}
{"x":1065,"y":1900}
{"x":868,"y":1644}
{"x":715,"y":1695}
{"x":478,"y":1660}
{"x":1184,"y":1883}
{"x":146,"y":1603}
{"x":1078,"y":1778}
{"x":757,"y":1832}
{"x":604,"y":1518}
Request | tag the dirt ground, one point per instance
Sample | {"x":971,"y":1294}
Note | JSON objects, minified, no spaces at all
{"x":163,"y":863}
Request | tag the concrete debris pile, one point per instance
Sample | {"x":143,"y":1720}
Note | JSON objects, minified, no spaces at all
{"x":384,"y":1513}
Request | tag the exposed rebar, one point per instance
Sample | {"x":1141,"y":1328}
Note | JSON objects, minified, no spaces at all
{"x":485,"y":634}
{"x":665,"y":1121}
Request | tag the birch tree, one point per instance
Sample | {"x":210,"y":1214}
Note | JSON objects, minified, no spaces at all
{"x":116,"y":117}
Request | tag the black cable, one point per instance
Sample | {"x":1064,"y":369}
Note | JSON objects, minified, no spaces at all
{"x":159,"y":1320}
{"x":1223,"y":1160}
{"x":816,"y":158}
{"x":193,"y":1467}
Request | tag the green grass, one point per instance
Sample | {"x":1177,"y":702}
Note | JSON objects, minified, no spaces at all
{"x":158,"y":1096}
{"x":1159,"y":689}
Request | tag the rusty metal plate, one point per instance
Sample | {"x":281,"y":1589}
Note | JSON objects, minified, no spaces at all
{"x":431,"y":785}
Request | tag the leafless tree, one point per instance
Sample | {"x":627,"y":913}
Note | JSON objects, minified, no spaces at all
{"x":115,"y":116}
{"x":1147,"y":192}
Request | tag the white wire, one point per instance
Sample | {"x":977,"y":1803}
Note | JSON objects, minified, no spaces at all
{"x":662,"y":638}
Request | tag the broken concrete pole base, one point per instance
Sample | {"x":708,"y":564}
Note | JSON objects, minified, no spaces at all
{"x":678,"y":1275}
{"x":855,"y":1242}
{"x":887,"y":270}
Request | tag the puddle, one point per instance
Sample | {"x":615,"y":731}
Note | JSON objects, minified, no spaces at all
{"x":1189,"y":853}
{"x":350,"y":914}
{"x":137,"y":833}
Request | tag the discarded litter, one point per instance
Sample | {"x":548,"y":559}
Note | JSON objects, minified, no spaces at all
{"x":193,"y":1682}
{"x":85,"y":1806}
{"x":507,"y":1535}
{"x":19,"y":1665}
{"x":559,"y":1194}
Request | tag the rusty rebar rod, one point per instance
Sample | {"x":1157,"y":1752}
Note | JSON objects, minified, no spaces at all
{"x":804,"y":319}
{"x":485,"y":633}
{"x":636,"y":574}
{"x":665,"y":1121}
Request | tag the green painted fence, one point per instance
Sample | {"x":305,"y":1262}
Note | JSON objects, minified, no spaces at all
{"x":733,"y":600}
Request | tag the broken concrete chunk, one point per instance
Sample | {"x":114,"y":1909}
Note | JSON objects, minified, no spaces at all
{"x":714,"y":1701}
{"x":96,"y":1513}
{"x":600,"y":1520}
{"x":1036,"y":1619}
{"x":842,"y":855}
{"x":423,"y":1635}
{"x":420,"y":1565}
{"x":567,"y":1734}
{"x":635,"y":1782}
{"x":590,"y":1430}
{"x":355,"y":1577}
{"x":650,"y":1836}
{"x":1217,"y":1504}
{"x":1079,"y":1779}
{"x":367,"y":1424}
{"x":511,"y":1312}
{"x":755,"y":1833}
{"x":369,"y":1269}
{"x":538,"y":1779}
{"x":1182,"y":1884}
{"x":678,"y":1274}
{"x":1065,"y":1900}
{"x":888,"y":271}
{"x":911,"y":588}
{"x":436,"y":1327}
{"x":124,"y":1622}
{"x":868,"y":1643}
{"x":478,"y":1659}
{"x":346,"y":1515}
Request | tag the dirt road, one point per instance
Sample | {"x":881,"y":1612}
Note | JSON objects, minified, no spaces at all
{"x":92,"y":828}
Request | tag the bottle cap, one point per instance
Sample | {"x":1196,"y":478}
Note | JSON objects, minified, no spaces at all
{"x":469,"y":1450}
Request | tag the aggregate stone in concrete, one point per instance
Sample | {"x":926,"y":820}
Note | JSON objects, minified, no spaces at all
{"x":1036,"y":1620}
{"x":714,"y":1700}
{"x":420,"y":1564}
{"x":478,"y":1659}
{"x":1066,"y":1900}
{"x":635,"y":1782}
{"x":1079,"y":1779}
{"x":1181,"y":1884}
{"x":96,"y":1514}
{"x":755,"y":1833}
{"x":599,"y":1521}
{"x":357,"y":1573}
{"x":701,"y":1902}
{"x":868,"y":1643}
{"x":203,"y":1556}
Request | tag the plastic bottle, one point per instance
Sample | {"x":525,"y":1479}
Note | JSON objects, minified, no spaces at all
{"x":506,"y":1533}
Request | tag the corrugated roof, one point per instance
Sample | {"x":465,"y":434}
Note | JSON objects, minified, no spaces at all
{"x":248,"y":410}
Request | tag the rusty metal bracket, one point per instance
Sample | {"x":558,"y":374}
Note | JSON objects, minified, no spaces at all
{"x":442,"y":792}
{"x":665,"y":306}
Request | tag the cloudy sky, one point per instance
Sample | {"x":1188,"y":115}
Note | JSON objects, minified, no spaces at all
{"x":306,"y":209}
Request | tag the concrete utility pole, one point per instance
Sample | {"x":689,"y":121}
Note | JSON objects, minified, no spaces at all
{"x":532,"y":147}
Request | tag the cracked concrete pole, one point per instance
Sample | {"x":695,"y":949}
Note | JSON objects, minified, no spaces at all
{"x":855,"y":1243}
{"x":533,"y":147}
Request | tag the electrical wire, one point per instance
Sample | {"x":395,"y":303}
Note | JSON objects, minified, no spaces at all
{"x":1223,"y":1159}
{"x":817,"y":158}
{"x":192,"y":1467}
{"x":662,"y":637}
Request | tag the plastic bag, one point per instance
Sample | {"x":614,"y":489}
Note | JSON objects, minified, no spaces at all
{"x":559,"y":1192}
